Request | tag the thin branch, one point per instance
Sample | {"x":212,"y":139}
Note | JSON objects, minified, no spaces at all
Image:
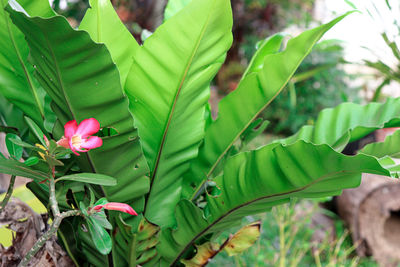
{"x":42,"y":240}
{"x":8,"y":195}
{"x":52,"y":197}
{"x":58,"y":217}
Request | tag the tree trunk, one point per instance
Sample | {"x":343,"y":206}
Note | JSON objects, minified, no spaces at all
{"x":372,"y":212}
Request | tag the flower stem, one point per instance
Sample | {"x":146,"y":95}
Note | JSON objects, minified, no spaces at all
{"x":8,"y":194}
{"x":42,"y":240}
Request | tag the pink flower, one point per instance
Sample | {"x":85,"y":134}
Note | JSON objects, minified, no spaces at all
{"x":116,"y":206}
{"x":78,"y":137}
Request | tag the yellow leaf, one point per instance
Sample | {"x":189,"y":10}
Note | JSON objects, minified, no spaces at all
{"x":243,"y":239}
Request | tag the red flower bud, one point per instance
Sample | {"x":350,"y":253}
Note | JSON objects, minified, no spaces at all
{"x":116,"y":206}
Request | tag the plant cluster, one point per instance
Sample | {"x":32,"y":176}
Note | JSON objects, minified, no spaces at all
{"x":128,"y":128}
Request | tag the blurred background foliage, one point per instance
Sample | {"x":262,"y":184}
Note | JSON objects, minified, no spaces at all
{"x":319,"y":83}
{"x":387,"y":72}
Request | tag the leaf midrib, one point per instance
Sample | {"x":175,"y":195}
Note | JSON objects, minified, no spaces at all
{"x":179,"y":89}
{"x":258,"y":199}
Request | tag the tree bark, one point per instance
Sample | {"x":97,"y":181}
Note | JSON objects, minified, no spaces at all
{"x":372,"y":212}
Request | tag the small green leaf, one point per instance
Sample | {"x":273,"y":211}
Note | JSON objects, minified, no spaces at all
{"x":100,"y":236}
{"x":13,"y":149}
{"x":32,"y":161}
{"x":83,"y":208}
{"x":36,"y":130}
{"x":91,"y":178}
{"x":101,"y":201}
{"x":21,"y":143}
{"x":92,"y":197}
{"x":13,"y":167}
{"x":101,"y":219}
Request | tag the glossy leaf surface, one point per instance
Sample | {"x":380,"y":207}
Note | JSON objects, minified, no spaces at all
{"x":81,"y":78}
{"x":104,"y":26}
{"x":90,"y":178}
{"x":168,"y":88}
{"x":101,"y":219}
{"x":264,"y":178}
{"x":100,"y":236}
{"x":348,"y":122}
{"x":255,"y":91}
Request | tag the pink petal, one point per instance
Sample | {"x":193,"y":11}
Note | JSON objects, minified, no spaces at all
{"x":88,"y":127}
{"x":72,"y":147}
{"x":70,"y":129}
{"x":63,"y":142}
{"x":120,"y":207}
{"x":92,"y":142}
